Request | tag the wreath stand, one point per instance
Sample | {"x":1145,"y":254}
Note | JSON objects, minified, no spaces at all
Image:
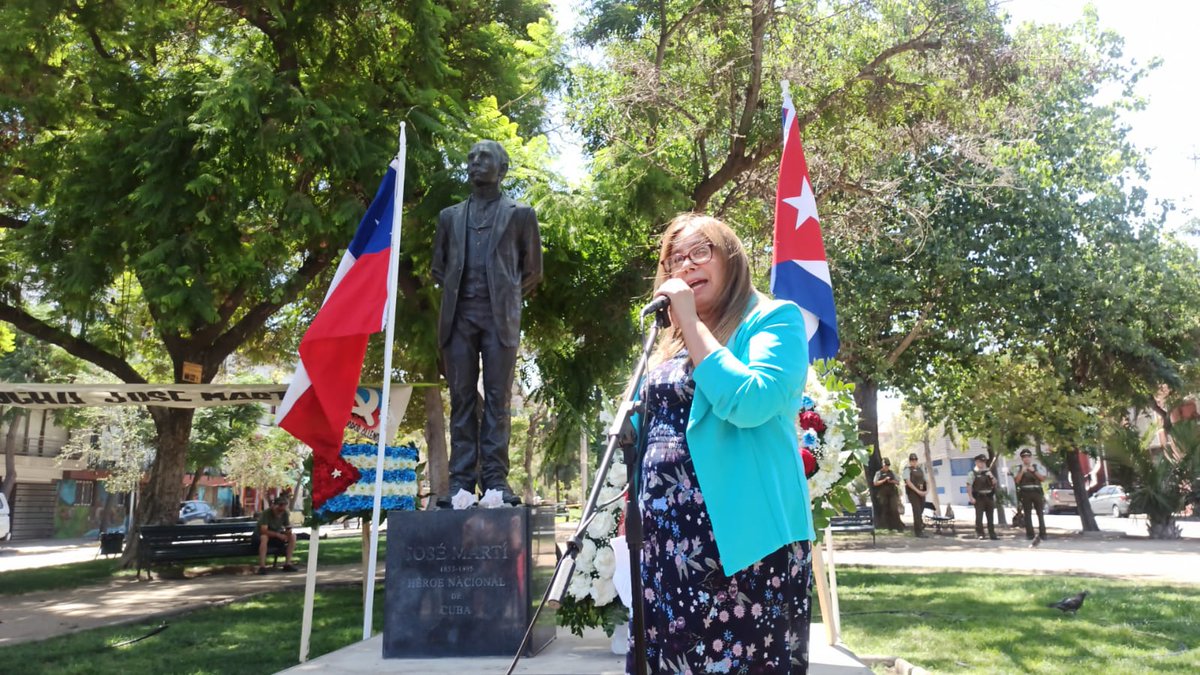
{"x":827,"y":596}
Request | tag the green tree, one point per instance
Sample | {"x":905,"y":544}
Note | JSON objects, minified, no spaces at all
{"x":1164,"y":478}
{"x":177,"y":172}
{"x":266,"y":460}
{"x":116,"y":439}
{"x":914,"y":116}
{"x":213,"y":432}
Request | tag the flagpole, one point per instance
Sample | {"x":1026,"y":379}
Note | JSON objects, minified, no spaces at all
{"x":310,"y":588}
{"x":393,"y":273}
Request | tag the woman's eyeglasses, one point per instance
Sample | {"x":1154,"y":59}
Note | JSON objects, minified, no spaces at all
{"x":699,"y":255}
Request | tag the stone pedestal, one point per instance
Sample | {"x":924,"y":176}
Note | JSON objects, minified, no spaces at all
{"x":466,"y":583}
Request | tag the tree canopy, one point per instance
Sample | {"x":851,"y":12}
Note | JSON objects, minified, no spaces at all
{"x":177,"y":172}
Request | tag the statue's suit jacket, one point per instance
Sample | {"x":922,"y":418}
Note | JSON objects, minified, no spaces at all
{"x":514,"y":264}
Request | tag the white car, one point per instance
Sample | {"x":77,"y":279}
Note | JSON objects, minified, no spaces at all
{"x":196,"y":511}
{"x":1110,"y":499}
{"x":5,"y":519}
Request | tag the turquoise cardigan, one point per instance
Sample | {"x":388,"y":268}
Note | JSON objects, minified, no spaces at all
{"x":742,"y":436}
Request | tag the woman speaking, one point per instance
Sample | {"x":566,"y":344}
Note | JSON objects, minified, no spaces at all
{"x":723,"y":497}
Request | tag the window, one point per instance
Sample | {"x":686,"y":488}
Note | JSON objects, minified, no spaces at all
{"x":941,"y":491}
{"x":961,"y":467}
{"x":937,"y":462}
{"x":85,"y":492}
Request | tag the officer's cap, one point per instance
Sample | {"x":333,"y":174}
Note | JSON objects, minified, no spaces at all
{"x":912,"y":455}
{"x":980,"y":458}
{"x":1026,"y":453}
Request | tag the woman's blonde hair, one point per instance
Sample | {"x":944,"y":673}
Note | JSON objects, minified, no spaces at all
{"x":734,"y":297}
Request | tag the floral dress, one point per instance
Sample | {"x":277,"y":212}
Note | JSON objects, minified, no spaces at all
{"x":697,"y":619}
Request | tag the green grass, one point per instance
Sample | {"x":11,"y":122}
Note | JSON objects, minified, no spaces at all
{"x":948,"y":622}
{"x":952,"y":622}
{"x":574,"y":513}
{"x":260,"y":635}
{"x":333,"y":551}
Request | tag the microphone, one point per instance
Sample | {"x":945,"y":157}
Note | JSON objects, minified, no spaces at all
{"x":656,"y":305}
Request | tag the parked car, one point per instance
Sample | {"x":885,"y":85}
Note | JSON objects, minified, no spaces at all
{"x":5,"y":519}
{"x":1110,"y":499}
{"x":1061,"y":498}
{"x":196,"y":511}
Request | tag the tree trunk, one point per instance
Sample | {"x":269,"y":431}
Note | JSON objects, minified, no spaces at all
{"x":994,"y":469}
{"x":191,"y":491}
{"x":1164,"y":530}
{"x":437,"y":463}
{"x":159,"y":503}
{"x":10,"y":459}
{"x":535,"y":420}
{"x":866,"y":395}
{"x":1164,"y":416}
{"x":583,"y":465}
{"x":930,"y":482}
{"x":1087,"y":519}
{"x":297,"y":498}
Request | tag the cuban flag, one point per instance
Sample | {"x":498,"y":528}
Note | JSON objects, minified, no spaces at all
{"x":800,"y":272}
{"x":319,"y":401}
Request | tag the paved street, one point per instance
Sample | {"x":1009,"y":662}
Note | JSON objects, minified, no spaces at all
{"x":1133,"y":526}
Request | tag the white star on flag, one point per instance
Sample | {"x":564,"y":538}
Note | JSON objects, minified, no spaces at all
{"x":805,"y":204}
{"x":336,"y":473}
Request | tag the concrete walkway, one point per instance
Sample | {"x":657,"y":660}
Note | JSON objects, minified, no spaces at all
{"x":566,"y":655}
{"x":1063,"y":552}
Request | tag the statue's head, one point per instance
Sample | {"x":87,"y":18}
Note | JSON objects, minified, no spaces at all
{"x":487,"y":163}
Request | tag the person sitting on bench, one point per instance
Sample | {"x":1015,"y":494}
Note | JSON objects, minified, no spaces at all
{"x":275,"y":523}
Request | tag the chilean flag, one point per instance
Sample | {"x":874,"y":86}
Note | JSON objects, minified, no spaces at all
{"x":318,"y":403}
{"x":800,"y":272}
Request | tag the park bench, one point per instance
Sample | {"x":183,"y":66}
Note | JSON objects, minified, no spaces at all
{"x":158,"y":544}
{"x":862,"y":520}
{"x":932,"y":519}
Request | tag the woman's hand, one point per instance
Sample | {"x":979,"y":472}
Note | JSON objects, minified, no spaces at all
{"x":683,"y":301}
{"x":696,"y":336}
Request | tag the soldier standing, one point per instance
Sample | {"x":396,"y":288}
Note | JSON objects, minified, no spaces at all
{"x":983,"y":496}
{"x":889,"y":496}
{"x":916,"y":489}
{"x":1029,"y":481}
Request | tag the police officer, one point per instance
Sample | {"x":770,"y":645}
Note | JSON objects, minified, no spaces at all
{"x":983,"y":496}
{"x":889,"y":496}
{"x":1029,"y":479}
{"x":915,"y":488}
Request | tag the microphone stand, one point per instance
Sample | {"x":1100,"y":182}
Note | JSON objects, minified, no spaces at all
{"x":620,"y":433}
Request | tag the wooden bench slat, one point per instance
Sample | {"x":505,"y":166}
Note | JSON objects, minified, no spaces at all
{"x":862,"y":520}
{"x":171,"y":543}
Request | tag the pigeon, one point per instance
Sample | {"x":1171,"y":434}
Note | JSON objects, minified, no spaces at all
{"x":1036,"y":541}
{"x":1071,"y":604}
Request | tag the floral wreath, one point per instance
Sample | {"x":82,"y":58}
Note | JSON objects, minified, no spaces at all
{"x":828,"y":429}
{"x":591,"y":597}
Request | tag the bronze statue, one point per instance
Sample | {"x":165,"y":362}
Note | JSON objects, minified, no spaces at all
{"x":487,"y":255}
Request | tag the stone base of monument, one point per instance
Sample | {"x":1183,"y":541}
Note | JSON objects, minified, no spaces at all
{"x":466,"y":583}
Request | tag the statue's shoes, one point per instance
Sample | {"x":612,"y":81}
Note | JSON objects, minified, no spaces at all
{"x":506,"y":495}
